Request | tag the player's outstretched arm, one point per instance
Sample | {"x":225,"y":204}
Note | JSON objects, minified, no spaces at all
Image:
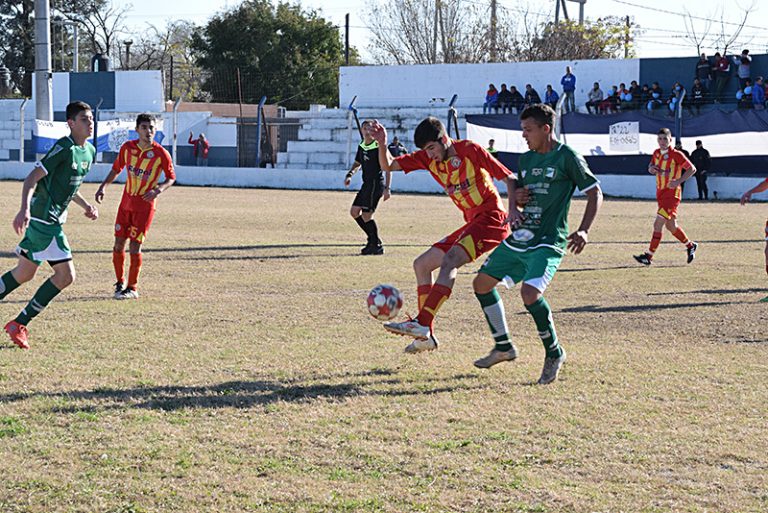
{"x":99,"y":197}
{"x":386,"y":161}
{"x":578,"y":240}
{"x":91,"y":212}
{"x":762,"y":186}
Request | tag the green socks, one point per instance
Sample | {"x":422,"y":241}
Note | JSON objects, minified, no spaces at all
{"x":542,"y":316}
{"x":493,"y":308}
{"x":7,"y":284}
{"x":39,"y":301}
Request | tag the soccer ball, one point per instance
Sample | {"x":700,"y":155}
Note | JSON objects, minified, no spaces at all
{"x":384,"y":302}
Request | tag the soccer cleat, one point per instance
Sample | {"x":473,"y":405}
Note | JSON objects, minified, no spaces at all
{"x":119,"y":286}
{"x":420,"y":345}
{"x":373,"y":250}
{"x":692,"y":251}
{"x":551,"y":369}
{"x":128,"y":294}
{"x":496,"y":356}
{"x":644,"y":259}
{"x":764,"y":300}
{"x":18,"y":333}
{"x":411,"y":328}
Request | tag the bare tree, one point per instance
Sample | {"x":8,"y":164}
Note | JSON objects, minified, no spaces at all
{"x":696,"y":37}
{"x":727,"y":35}
{"x":100,"y":20}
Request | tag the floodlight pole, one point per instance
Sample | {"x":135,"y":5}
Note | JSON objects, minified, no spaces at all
{"x":175,"y":128}
{"x":21,"y":129}
{"x":43,"y":75}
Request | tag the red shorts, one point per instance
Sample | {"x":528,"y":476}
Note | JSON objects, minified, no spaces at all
{"x":668,"y":201}
{"x":482,"y":234}
{"x":134,"y":217}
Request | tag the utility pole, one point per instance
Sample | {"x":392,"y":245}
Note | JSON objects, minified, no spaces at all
{"x":128,"y":53}
{"x":493,"y":31}
{"x":346,"y":39}
{"x":626,"y":39}
{"x":43,"y":76}
{"x":434,"y":39}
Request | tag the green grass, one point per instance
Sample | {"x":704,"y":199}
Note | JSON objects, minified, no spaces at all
{"x":249,"y":378}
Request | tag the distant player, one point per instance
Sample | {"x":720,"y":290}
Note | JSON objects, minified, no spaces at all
{"x":466,"y":171}
{"x":375,"y":187}
{"x":45,"y":196}
{"x":671,"y":168}
{"x":762,"y":186}
{"x":550,"y":173}
{"x":145,"y":160}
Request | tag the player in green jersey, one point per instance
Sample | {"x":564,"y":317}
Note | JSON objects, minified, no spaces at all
{"x":45,"y":196}
{"x":550,"y":173}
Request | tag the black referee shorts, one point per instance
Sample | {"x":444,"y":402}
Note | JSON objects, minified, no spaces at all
{"x":368,"y":197}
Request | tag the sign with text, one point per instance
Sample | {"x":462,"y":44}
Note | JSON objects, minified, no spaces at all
{"x":624,"y":136}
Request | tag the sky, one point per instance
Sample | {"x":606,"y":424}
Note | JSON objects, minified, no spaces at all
{"x":663,"y":21}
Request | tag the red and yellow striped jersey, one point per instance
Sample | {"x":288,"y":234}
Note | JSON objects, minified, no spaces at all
{"x":143,"y":166}
{"x":467,"y":178}
{"x":673,"y":164}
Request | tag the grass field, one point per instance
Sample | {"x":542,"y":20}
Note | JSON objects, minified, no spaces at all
{"x":249,"y":377}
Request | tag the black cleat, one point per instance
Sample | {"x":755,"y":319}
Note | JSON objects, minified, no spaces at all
{"x":373,"y":250}
{"x":644,"y":259}
{"x":692,"y":251}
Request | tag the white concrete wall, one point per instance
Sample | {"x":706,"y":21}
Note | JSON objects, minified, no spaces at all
{"x":139,"y":91}
{"x":411,"y":86}
{"x":420,"y":181}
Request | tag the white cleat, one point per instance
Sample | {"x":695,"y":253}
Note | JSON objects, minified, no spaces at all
{"x":127,"y":294}
{"x":410,"y":328}
{"x":421,"y":345}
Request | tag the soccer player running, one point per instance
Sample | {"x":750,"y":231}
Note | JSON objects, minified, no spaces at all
{"x":45,"y":196}
{"x":465,"y":170}
{"x":671,"y":169}
{"x":761,"y":187}
{"x":144,"y":160}
{"x":372,"y":190}
{"x":550,"y":172}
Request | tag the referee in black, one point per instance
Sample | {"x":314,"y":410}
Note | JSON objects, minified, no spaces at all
{"x":375,"y":186}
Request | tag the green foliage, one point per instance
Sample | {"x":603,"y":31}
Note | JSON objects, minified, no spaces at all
{"x":288,"y":54}
{"x":602,"y":39}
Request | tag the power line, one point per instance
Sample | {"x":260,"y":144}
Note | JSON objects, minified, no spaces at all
{"x":686,"y":15}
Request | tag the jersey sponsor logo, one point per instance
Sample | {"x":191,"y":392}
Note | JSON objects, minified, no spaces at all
{"x":75,"y":180}
{"x":462,"y":186}
{"x":522,"y":235}
{"x":550,"y":173}
{"x":537,"y":171}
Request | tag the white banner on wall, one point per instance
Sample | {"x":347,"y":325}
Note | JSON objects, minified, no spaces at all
{"x":624,"y":136}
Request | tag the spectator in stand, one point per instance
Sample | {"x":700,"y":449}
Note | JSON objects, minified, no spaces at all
{"x":551,"y":97}
{"x":396,"y":148}
{"x":703,"y":162}
{"x":675,"y":98}
{"x":744,"y":62}
{"x":595,"y":96}
{"x":200,"y":149}
{"x":517,"y":100}
{"x":722,"y":75}
{"x":645,"y":95}
{"x":632,"y":97}
{"x":610,"y":104}
{"x":623,"y":99}
{"x":505,"y":99}
{"x":704,"y":71}
{"x":491,"y":148}
{"x":758,"y":94}
{"x":656,"y":97}
{"x":491,"y":100}
{"x":744,"y":96}
{"x":531,"y":96}
{"x":569,"y":88}
{"x":698,"y":96}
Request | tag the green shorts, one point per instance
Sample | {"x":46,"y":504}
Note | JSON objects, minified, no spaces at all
{"x":535,"y":267}
{"x":44,"y":242}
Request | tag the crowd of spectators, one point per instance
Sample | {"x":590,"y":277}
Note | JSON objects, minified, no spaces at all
{"x":711,"y":77}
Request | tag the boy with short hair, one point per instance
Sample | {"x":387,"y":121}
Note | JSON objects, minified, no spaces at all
{"x":550,"y":173}
{"x":145,"y":160}
{"x":45,"y":196}
{"x":671,"y":168}
{"x":466,"y":171}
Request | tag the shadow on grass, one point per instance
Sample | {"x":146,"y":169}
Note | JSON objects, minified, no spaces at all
{"x":248,"y":394}
{"x":710,"y":291}
{"x":643,"y":308}
{"x":261,"y":247}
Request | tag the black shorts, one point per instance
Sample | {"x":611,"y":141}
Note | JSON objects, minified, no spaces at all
{"x":368,"y":197}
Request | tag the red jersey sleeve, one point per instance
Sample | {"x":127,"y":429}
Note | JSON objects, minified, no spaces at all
{"x":119,"y":162}
{"x":414,"y":161}
{"x":167,"y":165}
{"x":491,"y":164}
{"x":682,"y":160}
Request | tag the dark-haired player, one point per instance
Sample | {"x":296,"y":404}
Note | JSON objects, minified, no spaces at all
{"x":671,"y":168}
{"x":550,"y":172}
{"x":466,"y":171}
{"x":45,"y":196}
{"x":374,"y":187}
{"x":145,"y":160}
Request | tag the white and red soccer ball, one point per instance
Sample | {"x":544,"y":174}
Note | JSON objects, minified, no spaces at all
{"x":384,"y":302}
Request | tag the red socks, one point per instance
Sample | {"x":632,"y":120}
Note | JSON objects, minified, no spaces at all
{"x":118,"y":260}
{"x":437,"y":296}
{"x":133,"y":272}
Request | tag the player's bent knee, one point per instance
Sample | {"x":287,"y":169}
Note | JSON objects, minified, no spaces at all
{"x":529,"y":294}
{"x":483,"y":283}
